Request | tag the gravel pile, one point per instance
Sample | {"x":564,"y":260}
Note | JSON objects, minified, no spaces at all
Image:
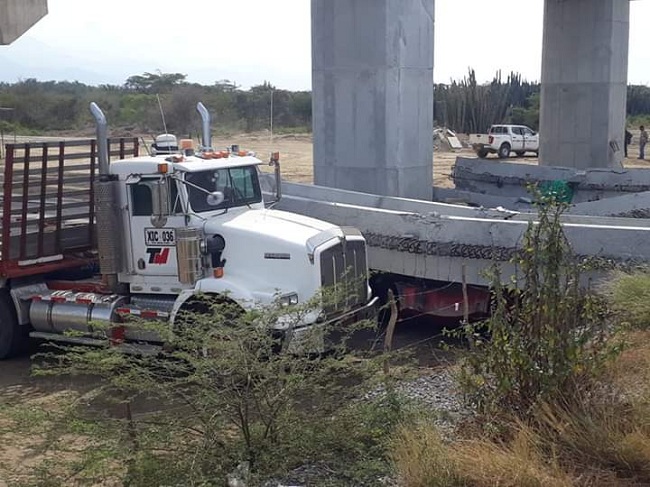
{"x":438,"y":392}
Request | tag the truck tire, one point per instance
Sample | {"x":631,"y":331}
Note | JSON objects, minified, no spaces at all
{"x":521,"y":153}
{"x":201,"y":308}
{"x":482,"y":153}
{"x":380,"y":285}
{"x":504,"y":151}
{"x":13,"y":337}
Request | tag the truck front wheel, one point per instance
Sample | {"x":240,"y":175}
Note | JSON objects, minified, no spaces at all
{"x":13,"y":337}
{"x":504,"y":151}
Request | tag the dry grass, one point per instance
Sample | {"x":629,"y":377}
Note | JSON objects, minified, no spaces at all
{"x":629,"y":297}
{"x":422,"y":459}
{"x":602,"y":439}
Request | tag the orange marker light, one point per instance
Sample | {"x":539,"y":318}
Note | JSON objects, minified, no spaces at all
{"x":163,"y":168}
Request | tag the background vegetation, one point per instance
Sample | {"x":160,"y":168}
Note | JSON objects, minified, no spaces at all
{"x":465,"y":106}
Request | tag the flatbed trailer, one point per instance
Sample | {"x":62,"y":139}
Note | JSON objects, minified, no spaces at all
{"x":47,"y":205}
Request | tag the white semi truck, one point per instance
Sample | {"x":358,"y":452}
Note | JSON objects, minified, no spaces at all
{"x":162,"y":230}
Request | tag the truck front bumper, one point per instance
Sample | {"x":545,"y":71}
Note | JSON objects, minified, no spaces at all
{"x":325,"y":335}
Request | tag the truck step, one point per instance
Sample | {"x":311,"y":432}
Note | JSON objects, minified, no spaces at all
{"x":127,"y":312}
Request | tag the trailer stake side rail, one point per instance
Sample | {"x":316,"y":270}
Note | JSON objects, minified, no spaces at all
{"x":47,"y":204}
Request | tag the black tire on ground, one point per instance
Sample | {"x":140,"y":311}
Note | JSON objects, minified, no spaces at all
{"x":13,"y":337}
{"x":201,"y":308}
{"x":482,"y":154}
{"x":504,"y":151}
{"x":380,"y":286}
{"x":521,"y":153}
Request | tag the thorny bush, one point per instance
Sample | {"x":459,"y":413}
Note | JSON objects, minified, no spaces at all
{"x":547,"y":332}
{"x":228,"y":392}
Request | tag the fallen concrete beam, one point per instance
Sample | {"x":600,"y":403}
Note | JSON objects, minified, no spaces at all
{"x":460,"y":197}
{"x":628,"y":206}
{"x":509,"y":180}
{"x":434,"y":246}
{"x":527,"y":214}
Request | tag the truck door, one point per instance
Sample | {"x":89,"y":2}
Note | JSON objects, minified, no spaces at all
{"x":517,"y":135}
{"x":153,"y":246}
{"x":531,"y":140}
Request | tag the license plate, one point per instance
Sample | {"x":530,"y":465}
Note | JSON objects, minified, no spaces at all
{"x":159,"y":237}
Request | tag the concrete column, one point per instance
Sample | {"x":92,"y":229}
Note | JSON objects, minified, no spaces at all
{"x":372,"y":64}
{"x":584,"y":83}
{"x":17,"y":16}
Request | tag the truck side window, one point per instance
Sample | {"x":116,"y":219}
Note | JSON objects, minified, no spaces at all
{"x":242,"y":183}
{"x":517,"y":131}
{"x":141,"y":200}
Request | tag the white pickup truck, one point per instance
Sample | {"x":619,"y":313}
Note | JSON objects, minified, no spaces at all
{"x":504,"y":139}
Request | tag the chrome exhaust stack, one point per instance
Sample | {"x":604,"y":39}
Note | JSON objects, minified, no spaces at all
{"x":206,"y":135}
{"x":107,"y":213}
{"x":102,"y":139}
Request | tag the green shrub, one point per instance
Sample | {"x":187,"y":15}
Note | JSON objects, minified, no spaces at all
{"x":546,"y":334}
{"x":628,"y":295}
{"x":233,"y":394}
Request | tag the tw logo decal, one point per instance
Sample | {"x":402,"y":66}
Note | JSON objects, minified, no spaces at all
{"x":158,"y":256}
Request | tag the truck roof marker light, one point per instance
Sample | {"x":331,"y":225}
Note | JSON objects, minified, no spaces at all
{"x":218,"y":272}
{"x":242,"y":153}
{"x":186,"y":144}
{"x":163,"y":168}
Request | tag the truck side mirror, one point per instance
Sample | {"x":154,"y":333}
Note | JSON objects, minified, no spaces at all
{"x":160,"y":202}
{"x":275,"y":163}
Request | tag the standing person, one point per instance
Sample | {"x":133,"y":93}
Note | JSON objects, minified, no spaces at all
{"x":643,"y":140}
{"x":628,"y":140}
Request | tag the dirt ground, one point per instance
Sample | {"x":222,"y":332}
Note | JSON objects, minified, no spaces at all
{"x":297,"y":157}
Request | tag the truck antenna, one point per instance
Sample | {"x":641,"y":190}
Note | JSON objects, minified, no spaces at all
{"x":162,"y":113}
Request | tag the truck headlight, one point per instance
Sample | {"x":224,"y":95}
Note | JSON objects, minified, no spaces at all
{"x":288,"y":299}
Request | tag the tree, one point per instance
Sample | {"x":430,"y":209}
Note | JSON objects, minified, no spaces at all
{"x":154,"y":83}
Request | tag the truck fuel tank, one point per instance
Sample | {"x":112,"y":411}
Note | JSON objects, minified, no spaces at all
{"x":60,"y":311}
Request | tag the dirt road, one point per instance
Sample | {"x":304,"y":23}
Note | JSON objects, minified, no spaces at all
{"x":297,"y":158}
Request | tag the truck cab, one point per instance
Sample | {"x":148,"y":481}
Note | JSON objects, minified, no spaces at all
{"x":179,"y":224}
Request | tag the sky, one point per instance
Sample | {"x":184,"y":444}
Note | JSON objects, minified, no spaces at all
{"x":252,"y":41}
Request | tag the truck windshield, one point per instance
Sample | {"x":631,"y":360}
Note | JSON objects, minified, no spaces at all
{"x":239,"y":185}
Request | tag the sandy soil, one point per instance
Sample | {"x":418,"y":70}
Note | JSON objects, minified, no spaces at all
{"x":297,"y":158}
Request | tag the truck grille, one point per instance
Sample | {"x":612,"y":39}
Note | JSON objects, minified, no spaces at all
{"x":344,"y":276}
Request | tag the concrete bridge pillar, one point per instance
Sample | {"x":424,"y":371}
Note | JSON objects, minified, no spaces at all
{"x":17,"y":16}
{"x":584,"y":83}
{"x":372,"y":63}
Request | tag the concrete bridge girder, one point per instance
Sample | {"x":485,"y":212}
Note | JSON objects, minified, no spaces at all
{"x":18,"y":16}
